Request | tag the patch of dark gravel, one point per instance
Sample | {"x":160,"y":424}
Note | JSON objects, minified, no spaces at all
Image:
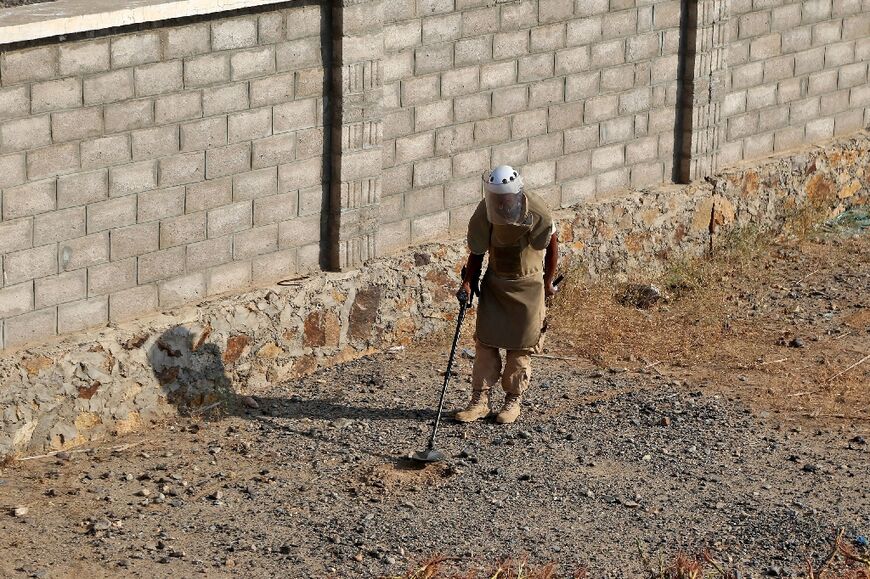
{"x":313,"y":482}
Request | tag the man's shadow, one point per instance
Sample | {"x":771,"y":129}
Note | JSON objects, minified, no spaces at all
{"x":193,"y":377}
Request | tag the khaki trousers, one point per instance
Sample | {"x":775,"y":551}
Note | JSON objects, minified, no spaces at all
{"x":487,"y":369}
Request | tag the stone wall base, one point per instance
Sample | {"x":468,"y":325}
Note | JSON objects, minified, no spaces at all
{"x":89,"y":387}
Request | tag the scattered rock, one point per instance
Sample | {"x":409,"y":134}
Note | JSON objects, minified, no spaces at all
{"x":641,"y":296}
{"x":20,"y":512}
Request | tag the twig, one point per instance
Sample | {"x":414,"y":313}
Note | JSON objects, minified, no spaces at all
{"x":797,"y":394}
{"x":804,"y":278}
{"x":858,"y":363}
{"x":833,"y":552}
{"x":772,"y":362}
{"x":550,"y":357}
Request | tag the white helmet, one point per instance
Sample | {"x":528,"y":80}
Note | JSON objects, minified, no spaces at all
{"x":506,"y":202}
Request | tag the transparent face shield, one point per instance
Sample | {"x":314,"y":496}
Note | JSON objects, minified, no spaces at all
{"x":506,"y":203}
{"x":506,"y":208}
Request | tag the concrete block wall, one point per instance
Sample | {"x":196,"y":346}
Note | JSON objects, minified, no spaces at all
{"x":798,"y":74}
{"x":149,"y":168}
{"x":580,"y":94}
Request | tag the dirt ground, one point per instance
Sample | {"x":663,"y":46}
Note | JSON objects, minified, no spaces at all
{"x":731,"y":416}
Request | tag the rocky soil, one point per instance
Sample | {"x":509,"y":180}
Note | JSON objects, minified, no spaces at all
{"x":608,"y":460}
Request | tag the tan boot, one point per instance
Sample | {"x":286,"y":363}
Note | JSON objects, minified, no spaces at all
{"x":478,"y":407}
{"x":511,"y":409}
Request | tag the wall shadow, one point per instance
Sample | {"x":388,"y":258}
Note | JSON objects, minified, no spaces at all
{"x":192,"y":375}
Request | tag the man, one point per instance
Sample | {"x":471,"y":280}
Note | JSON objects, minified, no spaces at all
{"x":517,"y":230}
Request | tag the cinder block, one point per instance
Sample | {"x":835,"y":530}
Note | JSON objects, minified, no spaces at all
{"x":392,"y":237}
{"x":572,"y":60}
{"x":839,"y":54}
{"x":233,"y":34}
{"x":229,"y":219}
{"x":311,"y":200}
{"x":16,"y":235}
{"x":470,"y":51}
{"x":804,"y":110}
{"x":186,"y":41}
{"x":31,"y":327}
{"x":641,"y":150}
{"x":565,"y":116}
{"x":430,"y":227}
{"x":433,"y":58}
{"x":432,"y":171}
{"x":514,"y":154}
{"x":255,"y":184}
{"x":423,"y":201}
{"x":77,"y":124}
{"x":584,"y":31}
{"x":181,"y":290}
{"x":300,"y":174}
{"x":601,"y":108}
{"x":273,"y":151}
{"x":547,"y":38}
{"x":441,"y":28}
{"x":827,"y":32}
{"x":797,"y":39}
{"x":604,"y":158}
{"x":833,"y":103}
{"x":539,"y":174}
{"x":582,"y":85}
{"x":402,"y":35}
{"x":433,"y":115}
{"x":665,"y":68}
{"x":545,"y":147}
{"x":87,"y":57}
{"x":249,"y":125}
{"x":28,"y":264}
{"x":753,"y":24}
{"x":773,"y":118}
{"x":523,"y":14}
{"x":819,"y":130}
{"x":859,"y":97}
{"x":53,"y":161}
{"x":29,"y":65}
{"x":500,"y":74}
{"x":419,"y":90}
{"x":182,"y":169}
{"x":491,"y":131}
{"x":160,"y":78}
{"x":610,"y":53}
{"x":111,"y":214}
{"x":298,"y":232}
{"x":256,"y":241}
{"x":555,"y":10}
{"x":473,"y":107}
{"x":480,"y":21}
{"x":182,"y":230}
{"x":764,"y":47}
{"x":742,"y":126}
{"x":848,"y":122}
{"x":106,"y":151}
{"x":29,"y":199}
{"x":822,"y":82}
{"x":206,"y":254}
{"x":785,"y":17}
{"x":309,"y":143}
{"x":16,"y":299}
{"x":852,"y":75}
{"x":228,"y":160}
{"x":295,"y":115}
{"x":204,"y":134}
{"x":573,"y":166}
{"x":270,"y":28}
{"x":815,"y":10}
{"x":128,"y":116}
{"x":178,"y":107}
{"x":55,"y":95}
{"x":618,"y":78}
{"x":448,"y":141}
{"x":857,"y":27}
{"x":81,"y":315}
{"x":161,"y":265}
{"x":83,"y":251}
{"x":132,"y":303}
{"x":397,"y":179}
{"x":267,"y":269}
{"x":109,"y":87}
{"x":59,"y":226}
{"x":13,"y":170}
{"x":225,"y":99}
{"x":612,"y":181}
{"x":154,"y":143}
{"x":132,"y":178}
{"x":253,"y":63}
{"x":470,"y":162}
{"x":57,"y":289}
{"x":778,"y":68}
{"x":529,"y":124}
{"x":275,"y":208}
{"x":81,"y":189}
{"x":25,"y":134}
{"x":134,"y":240}
{"x":619,"y":23}
{"x":760,"y":97}
{"x":809,"y":61}
{"x":160,"y":204}
{"x":231,"y":277}
{"x":510,"y":44}
{"x":578,"y":191}
{"x":310,"y":82}
{"x":14,"y":102}
{"x":272,"y":90}
{"x":747,"y":75}
{"x":304,"y":21}
{"x":206,"y":70}
{"x":208,"y":194}
{"x":110,"y":277}
{"x":134,"y":49}
{"x":617,"y":130}
{"x":298,"y":54}
{"x":535,"y":67}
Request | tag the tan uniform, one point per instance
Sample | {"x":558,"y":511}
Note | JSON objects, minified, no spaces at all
{"x":510,"y":313}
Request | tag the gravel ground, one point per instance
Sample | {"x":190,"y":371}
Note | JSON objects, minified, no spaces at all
{"x":313,"y":483}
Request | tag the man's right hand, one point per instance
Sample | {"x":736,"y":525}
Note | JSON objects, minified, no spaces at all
{"x":464,"y":293}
